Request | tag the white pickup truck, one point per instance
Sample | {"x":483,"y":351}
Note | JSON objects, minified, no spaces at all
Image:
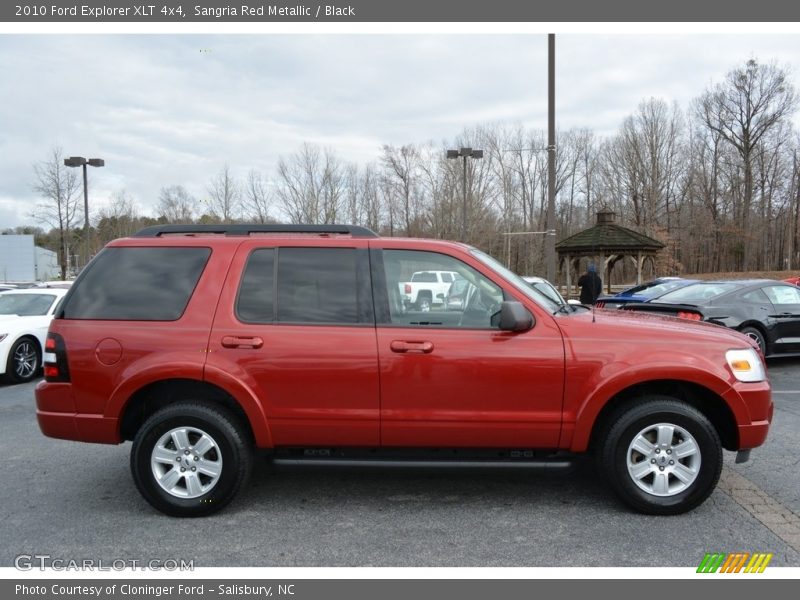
{"x":427,"y":288}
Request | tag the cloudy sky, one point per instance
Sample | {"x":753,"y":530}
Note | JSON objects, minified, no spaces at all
{"x":173,"y":109}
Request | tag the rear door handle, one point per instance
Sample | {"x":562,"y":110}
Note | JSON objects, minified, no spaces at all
{"x":236,"y":341}
{"x":401,"y":347}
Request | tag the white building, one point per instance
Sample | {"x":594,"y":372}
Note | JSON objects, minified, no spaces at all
{"x":21,"y":260}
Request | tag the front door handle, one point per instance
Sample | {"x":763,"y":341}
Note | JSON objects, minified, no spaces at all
{"x":244,"y":341}
{"x":401,"y":347}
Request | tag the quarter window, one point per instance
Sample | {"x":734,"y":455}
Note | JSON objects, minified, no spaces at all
{"x":137,"y":284}
{"x":783,"y":294}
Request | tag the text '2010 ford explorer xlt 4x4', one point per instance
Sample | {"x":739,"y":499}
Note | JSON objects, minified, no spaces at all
{"x":203,"y":343}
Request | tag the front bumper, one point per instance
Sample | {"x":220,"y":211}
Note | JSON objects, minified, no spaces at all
{"x":753,"y":409}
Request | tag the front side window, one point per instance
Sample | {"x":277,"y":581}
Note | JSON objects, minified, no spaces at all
{"x":469,"y":300}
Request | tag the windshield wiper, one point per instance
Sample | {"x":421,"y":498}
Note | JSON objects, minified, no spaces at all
{"x":565,"y":308}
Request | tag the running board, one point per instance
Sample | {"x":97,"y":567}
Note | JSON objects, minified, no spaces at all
{"x":426,"y":458}
{"x":428,"y":464}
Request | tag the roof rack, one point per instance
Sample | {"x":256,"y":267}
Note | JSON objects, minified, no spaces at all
{"x":247,"y":229}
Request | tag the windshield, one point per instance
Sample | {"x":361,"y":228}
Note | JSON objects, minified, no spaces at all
{"x":25,"y":305}
{"x":698,"y":293}
{"x":540,"y":298}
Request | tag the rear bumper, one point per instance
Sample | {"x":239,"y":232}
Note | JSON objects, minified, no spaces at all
{"x":57,"y":417}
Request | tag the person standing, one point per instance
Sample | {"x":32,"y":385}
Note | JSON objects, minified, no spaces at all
{"x":590,"y":284}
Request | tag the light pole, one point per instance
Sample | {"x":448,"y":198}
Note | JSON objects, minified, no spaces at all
{"x":464,"y":153}
{"x":79,"y":161}
{"x":550,"y":240}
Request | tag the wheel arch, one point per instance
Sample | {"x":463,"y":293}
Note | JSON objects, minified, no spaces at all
{"x":708,"y":402}
{"x":153,"y":396}
{"x":760,"y":327}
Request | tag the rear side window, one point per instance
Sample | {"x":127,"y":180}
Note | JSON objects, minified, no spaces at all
{"x":317,"y":285}
{"x":137,"y":284}
{"x":256,"y":303}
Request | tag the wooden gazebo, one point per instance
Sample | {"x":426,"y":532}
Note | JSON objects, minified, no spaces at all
{"x":606,"y":243}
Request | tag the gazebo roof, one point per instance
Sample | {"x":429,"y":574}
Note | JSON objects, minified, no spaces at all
{"x":606,"y":236}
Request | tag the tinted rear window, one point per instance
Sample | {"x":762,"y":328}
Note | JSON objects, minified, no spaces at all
{"x":137,"y":284}
{"x":698,"y":293}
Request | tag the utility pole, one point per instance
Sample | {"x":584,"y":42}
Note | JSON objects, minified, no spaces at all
{"x":550,"y":238}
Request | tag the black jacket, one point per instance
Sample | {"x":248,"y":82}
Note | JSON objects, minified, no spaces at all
{"x":591,"y":286}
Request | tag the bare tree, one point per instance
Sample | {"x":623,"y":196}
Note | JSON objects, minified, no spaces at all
{"x":311,"y":186}
{"x":257,"y":198}
{"x":176,"y":204}
{"x":400,"y":169}
{"x":119,"y":219}
{"x":60,"y":209}
{"x":750,"y":102}
{"x":224,"y":196}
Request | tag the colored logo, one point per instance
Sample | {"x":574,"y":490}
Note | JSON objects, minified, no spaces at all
{"x":738,"y":562}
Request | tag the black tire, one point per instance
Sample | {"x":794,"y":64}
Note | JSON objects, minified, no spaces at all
{"x":233,"y":450}
{"x":424,"y":303}
{"x":755,"y":333}
{"x":24,"y":360}
{"x":625,"y":427}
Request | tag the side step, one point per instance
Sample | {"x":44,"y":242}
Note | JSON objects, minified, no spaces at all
{"x":424,"y":459}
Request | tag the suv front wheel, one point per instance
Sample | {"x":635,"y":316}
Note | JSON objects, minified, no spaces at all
{"x":190,"y":459}
{"x":661,"y":456}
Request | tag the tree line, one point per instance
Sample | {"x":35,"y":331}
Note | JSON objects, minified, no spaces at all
{"x":717,"y":181}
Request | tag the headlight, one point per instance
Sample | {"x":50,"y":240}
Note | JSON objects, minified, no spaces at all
{"x":746,"y":365}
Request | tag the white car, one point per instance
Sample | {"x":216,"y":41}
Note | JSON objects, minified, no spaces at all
{"x":25,"y":316}
{"x":548,"y":289}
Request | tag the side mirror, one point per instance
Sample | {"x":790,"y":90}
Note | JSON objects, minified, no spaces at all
{"x":515,"y":317}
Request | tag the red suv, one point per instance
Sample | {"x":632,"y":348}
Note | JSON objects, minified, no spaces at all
{"x":203,"y":343}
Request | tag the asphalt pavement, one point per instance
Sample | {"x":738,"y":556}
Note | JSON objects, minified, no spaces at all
{"x":77,"y":501}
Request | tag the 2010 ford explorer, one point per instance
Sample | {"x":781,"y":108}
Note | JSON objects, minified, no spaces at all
{"x":202,"y":344}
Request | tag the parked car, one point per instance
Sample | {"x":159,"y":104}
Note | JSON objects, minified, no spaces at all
{"x":457,"y":294}
{"x":427,"y":288}
{"x":765,"y":310}
{"x":24,"y":318}
{"x":646,"y":292}
{"x":793,"y":280}
{"x":548,"y":289}
{"x":203,"y":343}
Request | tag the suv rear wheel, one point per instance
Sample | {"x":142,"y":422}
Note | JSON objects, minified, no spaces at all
{"x":190,"y":459}
{"x":661,"y":456}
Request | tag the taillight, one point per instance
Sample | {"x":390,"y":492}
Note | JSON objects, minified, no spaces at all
{"x":599,"y":304}
{"x":407,"y":288}
{"x":691,"y":316}
{"x":55,"y":359}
